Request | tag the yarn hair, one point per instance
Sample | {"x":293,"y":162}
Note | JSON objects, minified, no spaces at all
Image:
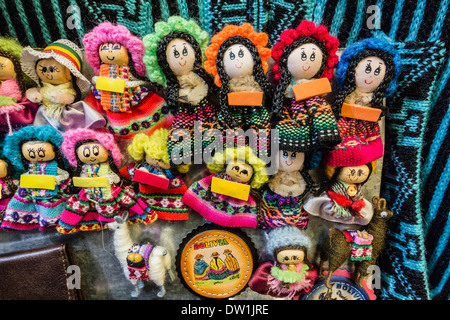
{"x":154,"y":145}
{"x":108,"y":32}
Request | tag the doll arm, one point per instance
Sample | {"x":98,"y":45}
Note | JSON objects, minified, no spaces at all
{"x":63,"y":98}
{"x":113,"y":178}
{"x":61,"y":175}
{"x":34,"y":95}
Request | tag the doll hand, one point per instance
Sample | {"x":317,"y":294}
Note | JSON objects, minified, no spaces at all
{"x":64,"y":99}
{"x":34,"y":95}
{"x":113,"y":179}
{"x":143,"y":169}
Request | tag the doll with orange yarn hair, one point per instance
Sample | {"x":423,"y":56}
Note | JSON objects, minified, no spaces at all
{"x":237,"y":58}
{"x":304,"y":61}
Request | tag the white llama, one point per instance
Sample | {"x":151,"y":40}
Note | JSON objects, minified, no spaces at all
{"x":159,"y":260}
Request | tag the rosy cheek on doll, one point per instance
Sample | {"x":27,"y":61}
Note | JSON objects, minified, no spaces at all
{"x":305,"y":61}
{"x":369,"y":74}
{"x":113,"y":53}
{"x":291,"y":161}
{"x":156,"y":162}
{"x":290,"y":256}
{"x":238,"y":61}
{"x":92,"y":153}
{"x":180,"y":56}
{"x":3,"y":169}
{"x":357,"y":174}
{"x":239,"y":171}
{"x":53,"y":72}
{"x":7,"y":71}
{"x":37,"y":151}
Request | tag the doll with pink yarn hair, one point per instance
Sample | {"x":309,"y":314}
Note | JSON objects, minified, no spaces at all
{"x":95,"y":154}
{"x":304,"y":61}
{"x":120,"y":87}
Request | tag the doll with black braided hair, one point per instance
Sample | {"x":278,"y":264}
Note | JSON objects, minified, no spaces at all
{"x":174,"y":55}
{"x":8,"y":183}
{"x":304,"y":63}
{"x":237,"y":58}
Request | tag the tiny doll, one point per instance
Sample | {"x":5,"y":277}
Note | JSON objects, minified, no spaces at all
{"x":289,"y":275}
{"x":8,"y":183}
{"x":304,"y":61}
{"x":367,"y":73}
{"x":120,"y":88}
{"x":44,"y":182}
{"x":102,"y":196}
{"x":282,"y":197}
{"x":151,"y":156}
{"x":174,"y":55}
{"x":15,"y":110}
{"x":245,"y":173}
{"x":343,"y":201}
{"x":57,"y":69}
{"x":237,"y":58}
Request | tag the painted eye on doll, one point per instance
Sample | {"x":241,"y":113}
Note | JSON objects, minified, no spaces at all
{"x":303,"y":56}
{"x":41,"y":152}
{"x":232,"y":56}
{"x":95,"y":150}
{"x":31,"y":153}
{"x":312,"y":57}
{"x":285,"y":154}
{"x":241,"y":53}
{"x":176,"y":54}
{"x":185,"y":51}
{"x":87,"y":152}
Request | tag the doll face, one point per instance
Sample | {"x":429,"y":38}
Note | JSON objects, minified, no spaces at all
{"x":239,"y":171}
{"x":290,"y":161}
{"x":305,"y":61}
{"x":92,"y":153}
{"x":180,"y":56}
{"x":113,"y":53}
{"x":7,"y":71}
{"x":357,"y":174}
{"x":53,"y":72}
{"x":156,"y":163}
{"x":290,"y":256}
{"x":3,"y":169}
{"x":238,"y":61}
{"x":38,"y":151}
{"x":369,"y":74}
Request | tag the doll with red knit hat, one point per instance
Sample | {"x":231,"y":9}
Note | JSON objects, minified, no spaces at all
{"x":96,"y":157}
{"x":120,"y":87}
{"x":305,"y":58}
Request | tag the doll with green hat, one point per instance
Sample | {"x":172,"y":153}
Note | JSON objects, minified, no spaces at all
{"x":15,"y":110}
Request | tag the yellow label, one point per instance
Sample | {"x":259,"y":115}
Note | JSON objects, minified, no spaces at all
{"x":34,"y":181}
{"x":109,"y":84}
{"x":100,"y":182}
{"x":230,"y":188}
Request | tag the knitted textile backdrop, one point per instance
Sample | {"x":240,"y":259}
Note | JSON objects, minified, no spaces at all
{"x":416,"y":172}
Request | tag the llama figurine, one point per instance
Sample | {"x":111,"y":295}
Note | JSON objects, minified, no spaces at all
{"x":140,"y":261}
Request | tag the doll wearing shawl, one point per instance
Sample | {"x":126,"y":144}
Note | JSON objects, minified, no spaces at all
{"x":151,"y":156}
{"x":304,"y":57}
{"x":120,"y":89}
{"x":16,"y":110}
{"x":238,"y":165}
{"x":174,"y":55}
{"x":95,"y":155}
{"x":57,"y":69}
{"x":35,"y":151}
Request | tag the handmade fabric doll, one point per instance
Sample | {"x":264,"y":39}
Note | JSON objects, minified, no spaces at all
{"x":304,"y":61}
{"x":44,"y":183}
{"x":95,"y":155}
{"x":120,"y":88}
{"x":237,"y":58}
{"x":8,"y":183}
{"x":290,"y":274}
{"x":57,"y":69}
{"x":229,"y":197}
{"x":174,"y":55}
{"x":15,"y":110}
{"x":282,"y":197}
{"x":162,"y":193}
{"x":343,"y":201}
{"x":367,"y":72}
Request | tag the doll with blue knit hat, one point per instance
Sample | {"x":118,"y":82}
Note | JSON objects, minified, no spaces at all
{"x":289,"y":274}
{"x":44,"y":188}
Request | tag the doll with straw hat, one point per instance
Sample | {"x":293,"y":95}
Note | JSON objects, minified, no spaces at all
{"x":57,"y":69}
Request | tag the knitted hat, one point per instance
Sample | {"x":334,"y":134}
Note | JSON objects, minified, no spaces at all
{"x":360,"y":50}
{"x":152,"y":42}
{"x":108,"y":32}
{"x":13,"y":143}
{"x":287,"y":236}
{"x":306,"y":29}
{"x":106,"y":139}
{"x":65,"y":52}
